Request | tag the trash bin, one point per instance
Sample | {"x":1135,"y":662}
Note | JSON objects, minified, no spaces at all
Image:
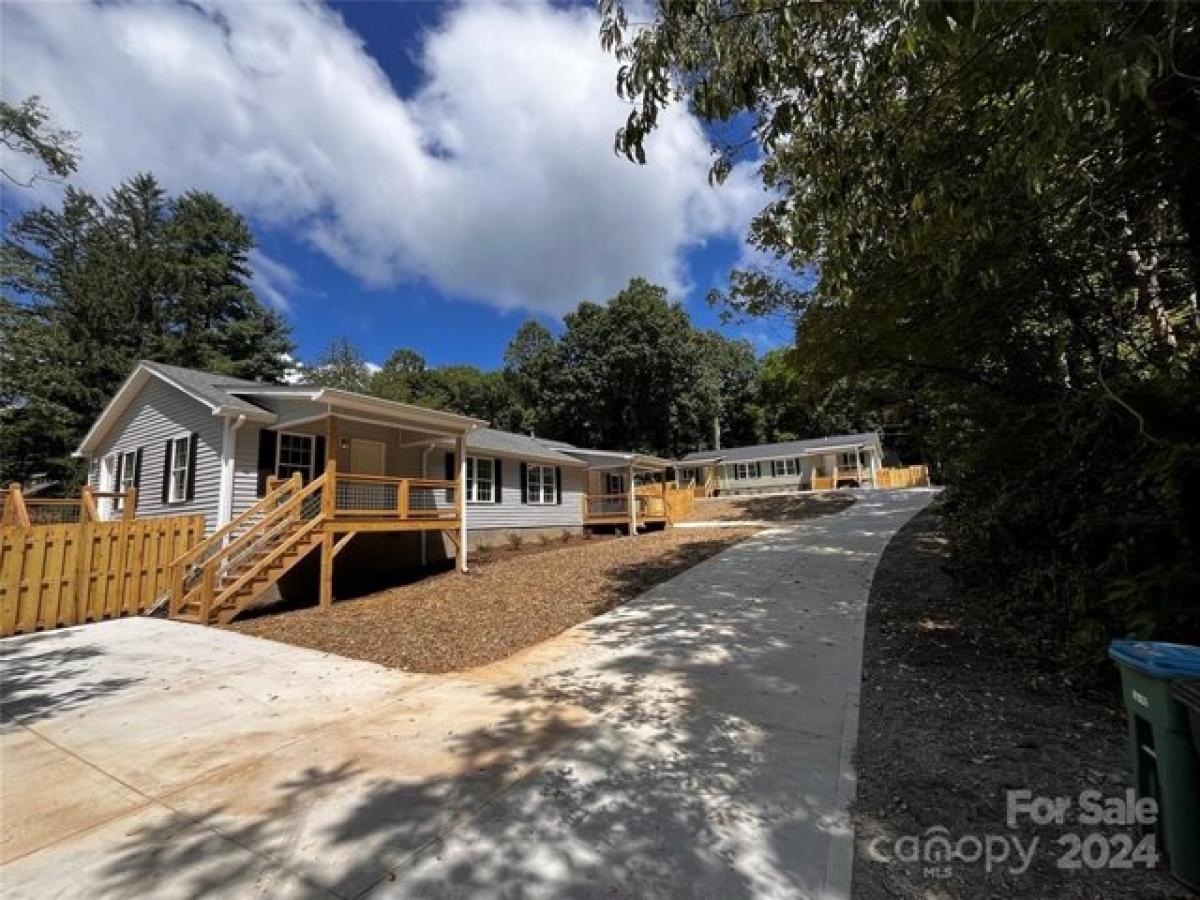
{"x":1164,"y":757}
{"x":1187,"y":692}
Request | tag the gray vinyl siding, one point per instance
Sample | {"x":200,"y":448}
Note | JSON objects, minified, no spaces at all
{"x":767,"y":481}
{"x":510,"y":512}
{"x":157,"y":413}
{"x":245,"y":468}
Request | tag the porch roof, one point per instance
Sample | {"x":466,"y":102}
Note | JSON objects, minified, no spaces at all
{"x":612,"y":459}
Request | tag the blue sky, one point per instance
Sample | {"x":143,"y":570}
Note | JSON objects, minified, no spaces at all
{"x":417,"y":174}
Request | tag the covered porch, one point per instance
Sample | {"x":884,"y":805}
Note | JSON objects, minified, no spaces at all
{"x":332,"y":466}
{"x":625,"y":489}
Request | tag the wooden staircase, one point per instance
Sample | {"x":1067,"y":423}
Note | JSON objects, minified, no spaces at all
{"x":232,"y":568}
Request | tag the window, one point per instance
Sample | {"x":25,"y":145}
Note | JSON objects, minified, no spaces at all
{"x":782,"y":467}
{"x":128,"y":470}
{"x":745,"y":470}
{"x":178,"y":479}
{"x":539,"y":485}
{"x":614,"y":483}
{"x":295,"y":454}
{"x":481,"y":478}
{"x":847,"y":460}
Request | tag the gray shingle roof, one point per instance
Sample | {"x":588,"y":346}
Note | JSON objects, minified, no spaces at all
{"x":214,"y":390}
{"x":782,"y":450}
{"x":510,"y":444}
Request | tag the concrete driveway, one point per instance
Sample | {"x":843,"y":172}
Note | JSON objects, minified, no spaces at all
{"x":693,"y":743}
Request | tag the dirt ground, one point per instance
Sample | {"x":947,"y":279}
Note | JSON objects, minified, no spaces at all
{"x":955,"y":714}
{"x":508,"y":601}
{"x":771,"y":508}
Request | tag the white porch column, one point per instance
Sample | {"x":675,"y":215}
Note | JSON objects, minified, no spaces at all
{"x":229,"y":432}
{"x":460,"y":496}
{"x":632,"y":504}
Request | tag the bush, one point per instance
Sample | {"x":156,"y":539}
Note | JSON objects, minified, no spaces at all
{"x":1084,"y":524}
{"x":567,"y":536}
{"x":515,"y":541}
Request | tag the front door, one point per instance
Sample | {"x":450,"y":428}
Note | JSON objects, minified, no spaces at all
{"x":367,"y":457}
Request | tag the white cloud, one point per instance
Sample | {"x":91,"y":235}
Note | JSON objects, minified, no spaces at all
{"x":272,"y":280}
{"x":496,"y":180}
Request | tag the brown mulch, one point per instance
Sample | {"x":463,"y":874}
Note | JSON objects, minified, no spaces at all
{"x":508,"y":601}
{"x":772,"y":508}
{"x":956,"y":711}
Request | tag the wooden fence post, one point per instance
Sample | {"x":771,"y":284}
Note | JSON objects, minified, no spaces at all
{"x":129,"y":505}
{"x":15,"y":512}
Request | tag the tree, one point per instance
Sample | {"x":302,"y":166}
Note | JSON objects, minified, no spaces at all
{"x":531,"y":367}
{"x":1005,"y":271}
{"x":92,"y":287}
{"x":341,"y":365}
{"x":402,"y":377}
{"x":24,"y":130}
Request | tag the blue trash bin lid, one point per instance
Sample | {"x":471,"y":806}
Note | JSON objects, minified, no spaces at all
{"x":1157,"y":658}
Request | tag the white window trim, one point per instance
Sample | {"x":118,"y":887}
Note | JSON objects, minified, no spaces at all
{"x":312,"y":455}
{"x":541,"y":494}
{"x":741,"y":471}
{"x":473,"y":479}
{"x":186,"y":440}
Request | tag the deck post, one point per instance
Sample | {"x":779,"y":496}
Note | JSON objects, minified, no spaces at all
{"x":327,"y":569}
{"x":632,"y":504}
{"x":460,"y":497}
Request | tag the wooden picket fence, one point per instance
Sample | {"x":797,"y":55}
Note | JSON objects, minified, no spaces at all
{"x":902,"y":477}
{"x":55,"y":575}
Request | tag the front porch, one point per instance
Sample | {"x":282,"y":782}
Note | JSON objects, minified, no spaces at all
{"x":629,"y":490}
{"x":327,"y":472}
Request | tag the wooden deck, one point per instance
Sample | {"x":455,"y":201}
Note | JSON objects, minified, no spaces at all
{"x":234,"y":566}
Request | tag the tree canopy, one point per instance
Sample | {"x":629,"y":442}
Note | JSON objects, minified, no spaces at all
{"x":95,"y":285}
{"x":1002,"y":203}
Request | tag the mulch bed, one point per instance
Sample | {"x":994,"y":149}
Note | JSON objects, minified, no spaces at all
{"x":511,"y":599}
{"x":957,"y":710}
{"x":770,"y":508}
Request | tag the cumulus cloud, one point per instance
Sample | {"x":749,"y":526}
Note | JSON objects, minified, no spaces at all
{"x":495,"y":179}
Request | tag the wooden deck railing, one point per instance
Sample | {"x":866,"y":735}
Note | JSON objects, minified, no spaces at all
{"x":23,"y":511}
{"x":383,"y":497}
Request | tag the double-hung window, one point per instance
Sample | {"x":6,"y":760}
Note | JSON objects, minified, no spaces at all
{"x":177,"y":481}
{"x":481,"y":480}
{"x":295,"y":454}
{"x":847,"y":460}
{"x":539,"y":485}
{"x":745,"y":470}
{"x":782,"y":467}
{"x":129,"y":473}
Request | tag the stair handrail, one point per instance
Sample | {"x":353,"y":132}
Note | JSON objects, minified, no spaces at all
{"x":268,"y":501}
{"x":272,"y":518}
{"x":210,"y":567}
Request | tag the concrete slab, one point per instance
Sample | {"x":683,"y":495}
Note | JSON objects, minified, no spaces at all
{"x":695,"y":742}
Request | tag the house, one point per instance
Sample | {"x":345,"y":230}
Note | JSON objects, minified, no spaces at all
{"x":845,"y":460}
{"x":281,"y":471}
{"x":517,"y":484}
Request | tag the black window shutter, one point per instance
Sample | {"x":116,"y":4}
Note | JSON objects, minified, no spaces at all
{"x":524,"y":482}
{"x":319,"y":455}
{"x":450,"y":476}
{"x":497,"y":481}
{"x":166,"y":484}
{"x":736,"y":476}
{"x":266,"y":458}
{"x":191,"y":470}
{"x":120,"y":464}
{"x":558,"y":485}
{"x":137,"y":470}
